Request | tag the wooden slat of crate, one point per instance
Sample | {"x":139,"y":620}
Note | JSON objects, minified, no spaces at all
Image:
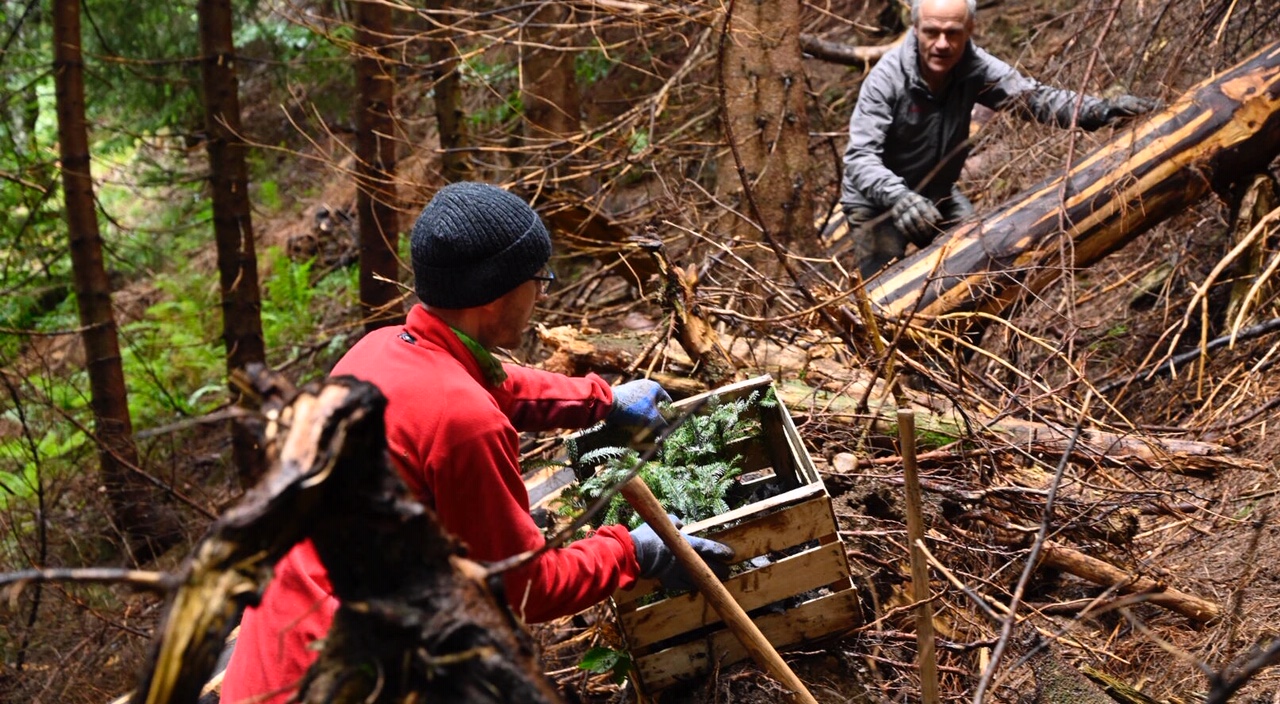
{"x":546,"y":483}
{"x":811,"y":518}
{"x":785,"y":578}
{"x":825,"y":616}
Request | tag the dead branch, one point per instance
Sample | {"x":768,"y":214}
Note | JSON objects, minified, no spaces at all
{"x":845,"y":54}
{"x":1100,"y":572}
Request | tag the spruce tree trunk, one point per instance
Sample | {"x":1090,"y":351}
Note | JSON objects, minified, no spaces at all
{"x":552,"y":104}
{"x":447,"y":89}
{"x":765,"y":119}
{"x":232,"y":223}
{"x":137,"y":512}
{"x":375,"y":169}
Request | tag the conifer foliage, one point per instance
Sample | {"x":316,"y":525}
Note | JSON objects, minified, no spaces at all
{"x":693,"y":471}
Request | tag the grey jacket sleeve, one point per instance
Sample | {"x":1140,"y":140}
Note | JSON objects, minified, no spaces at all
{"x":864,"y":169}
{"x":1033,"y":100}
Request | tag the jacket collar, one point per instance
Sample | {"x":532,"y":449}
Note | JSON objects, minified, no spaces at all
{"x":423,"y":327}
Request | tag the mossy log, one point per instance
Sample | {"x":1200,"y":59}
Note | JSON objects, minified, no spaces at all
{"x":415,"y":617}
{"x":1058,"y":682}
{"x":937,"y":422}
{"x":1222,"y":131}
{"x":936,"y":426}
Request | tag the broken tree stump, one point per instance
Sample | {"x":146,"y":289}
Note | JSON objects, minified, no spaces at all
{"x":416,"y":621}
{"x":1225,"y":129}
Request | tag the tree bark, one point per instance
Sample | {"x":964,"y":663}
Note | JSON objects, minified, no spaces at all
{"x":447,"y":89}
{"x":417,"y":621}
{"x":552,"y":104}
{"x":139,"y":515}
{"x":1223,"y":130}
{"x":765,"y":119}
{"x":232,"y":221}
{"x":375,"y":169}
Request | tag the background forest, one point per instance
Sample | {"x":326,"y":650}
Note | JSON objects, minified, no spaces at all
{"x":236,"y":184}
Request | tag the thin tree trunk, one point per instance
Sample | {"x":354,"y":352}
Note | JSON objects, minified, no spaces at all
{"x":765,"y":118}
{"x":375,"y":169}
{"x":552,"y":105}
{"x":138,"y":515}
{"x":232,"y":224}
{"x":447,"y":89}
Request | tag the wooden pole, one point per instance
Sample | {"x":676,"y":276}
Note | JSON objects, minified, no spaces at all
{"x":919,"y":567}
{"x":762,"y":651}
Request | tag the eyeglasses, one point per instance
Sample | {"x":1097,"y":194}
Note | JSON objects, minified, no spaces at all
{"x":544,"y":279}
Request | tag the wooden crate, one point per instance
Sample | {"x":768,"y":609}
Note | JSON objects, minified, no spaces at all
{"x":803,"y":594}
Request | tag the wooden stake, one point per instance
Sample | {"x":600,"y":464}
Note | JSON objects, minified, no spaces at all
{"x":762,"y":651}
{"x":919,"y":567}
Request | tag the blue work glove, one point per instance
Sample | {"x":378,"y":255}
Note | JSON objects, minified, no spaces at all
{"x":635,"y":406}
{"x":656,"y":560}
{"x":916,"y":217}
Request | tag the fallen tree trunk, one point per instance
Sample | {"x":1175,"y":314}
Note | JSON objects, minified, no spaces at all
{"x":577,"y":353}
{"x":416,"y":619}
{"x":1224,"y":130}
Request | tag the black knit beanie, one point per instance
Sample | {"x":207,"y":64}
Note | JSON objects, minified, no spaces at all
{"x":473,"y":243}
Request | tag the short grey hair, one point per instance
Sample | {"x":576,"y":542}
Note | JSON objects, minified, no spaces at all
{"x":971,"y":6}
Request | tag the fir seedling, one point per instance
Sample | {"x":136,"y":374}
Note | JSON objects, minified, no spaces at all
{"x":692,"y":472}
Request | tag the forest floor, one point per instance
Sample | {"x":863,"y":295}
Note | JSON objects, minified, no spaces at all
{"x":1215,"y":536}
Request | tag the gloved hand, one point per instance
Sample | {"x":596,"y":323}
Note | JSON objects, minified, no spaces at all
{"x":656,"y":560}
{"x":916,"y":217}
{"x":635,"y":406}
{"x":1126,"y":106}
{"x":958,"y":207}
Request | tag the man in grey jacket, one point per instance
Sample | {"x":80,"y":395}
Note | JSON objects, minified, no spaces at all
{"x":908,"y":135}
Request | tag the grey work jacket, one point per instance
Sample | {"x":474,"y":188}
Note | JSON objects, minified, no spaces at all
{"x":902,"y":137}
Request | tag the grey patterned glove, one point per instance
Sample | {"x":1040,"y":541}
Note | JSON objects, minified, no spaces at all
{"x":958,"y":207}
{"x":1125,"y":107}
{"x":1118,"y":109}
{"x":916,"y":217}
{"x":656,"y":560}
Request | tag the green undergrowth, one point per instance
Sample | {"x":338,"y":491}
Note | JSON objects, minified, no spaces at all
{"x":173,"y":359}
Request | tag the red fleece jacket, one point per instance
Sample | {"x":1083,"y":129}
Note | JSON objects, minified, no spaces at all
{"x":454,"y":439}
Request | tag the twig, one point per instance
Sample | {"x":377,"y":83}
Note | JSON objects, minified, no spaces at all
{"x":1006,"y":629}
{"x":158,"y":582}
{"x":1170,"y":366}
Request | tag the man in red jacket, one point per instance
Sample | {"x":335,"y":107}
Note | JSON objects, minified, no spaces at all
{"x":453,"y":412}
